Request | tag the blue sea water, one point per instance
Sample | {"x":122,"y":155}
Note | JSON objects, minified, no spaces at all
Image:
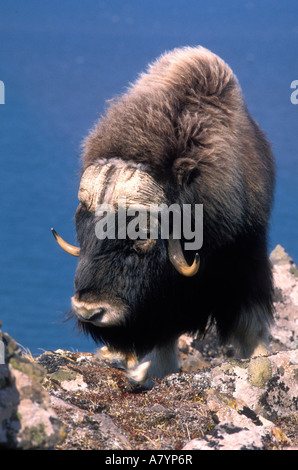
{"x":60,"y":62}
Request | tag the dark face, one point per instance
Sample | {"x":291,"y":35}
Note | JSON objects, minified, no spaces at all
{"x":125,"y":290}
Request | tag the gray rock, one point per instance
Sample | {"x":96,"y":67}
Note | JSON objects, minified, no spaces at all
{"x":27,"y":420}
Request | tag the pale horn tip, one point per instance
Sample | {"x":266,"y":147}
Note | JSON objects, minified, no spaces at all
{"x":72,"y":250}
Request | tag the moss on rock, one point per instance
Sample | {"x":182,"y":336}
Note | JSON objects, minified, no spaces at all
{"x":259,"y":371}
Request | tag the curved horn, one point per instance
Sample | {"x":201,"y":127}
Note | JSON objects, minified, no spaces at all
{"x":72,"y":250}
{"x":178,"y":260}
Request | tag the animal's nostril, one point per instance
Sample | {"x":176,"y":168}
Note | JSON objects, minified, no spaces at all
{"x":97,"y":316}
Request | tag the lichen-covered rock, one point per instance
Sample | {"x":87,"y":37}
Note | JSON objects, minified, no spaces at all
{"x":235,"y":405}
{"x":231,"y":437}
{"x":108,"y":413}
{"x":285,"y":328}
{"x":259,"y":371}
{"x":27,"y":420}
{"x":249,"y":398}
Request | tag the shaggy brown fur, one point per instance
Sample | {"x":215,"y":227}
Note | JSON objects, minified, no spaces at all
{"x":185,"y":124}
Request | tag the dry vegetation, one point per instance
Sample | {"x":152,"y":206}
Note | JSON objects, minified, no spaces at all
{"x":166,"y":417}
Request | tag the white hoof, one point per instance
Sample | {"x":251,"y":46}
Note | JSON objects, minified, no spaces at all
{"x":161,"y":361}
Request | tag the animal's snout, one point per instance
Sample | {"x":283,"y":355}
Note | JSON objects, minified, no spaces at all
{"x":90,"y":312}
{"x":98,"y":313}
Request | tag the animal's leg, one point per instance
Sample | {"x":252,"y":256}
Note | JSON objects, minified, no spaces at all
{"x":116,"y":359}
{"x":161,"y":361}
{"x":251,"y":336}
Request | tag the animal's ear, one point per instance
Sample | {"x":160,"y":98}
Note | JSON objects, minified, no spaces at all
{"x":185,"y":170}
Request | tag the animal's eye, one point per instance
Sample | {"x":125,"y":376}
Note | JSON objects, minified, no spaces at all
{"x":144,"y":246}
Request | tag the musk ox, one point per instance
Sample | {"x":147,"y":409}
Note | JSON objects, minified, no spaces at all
{"x":181,"y":134}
